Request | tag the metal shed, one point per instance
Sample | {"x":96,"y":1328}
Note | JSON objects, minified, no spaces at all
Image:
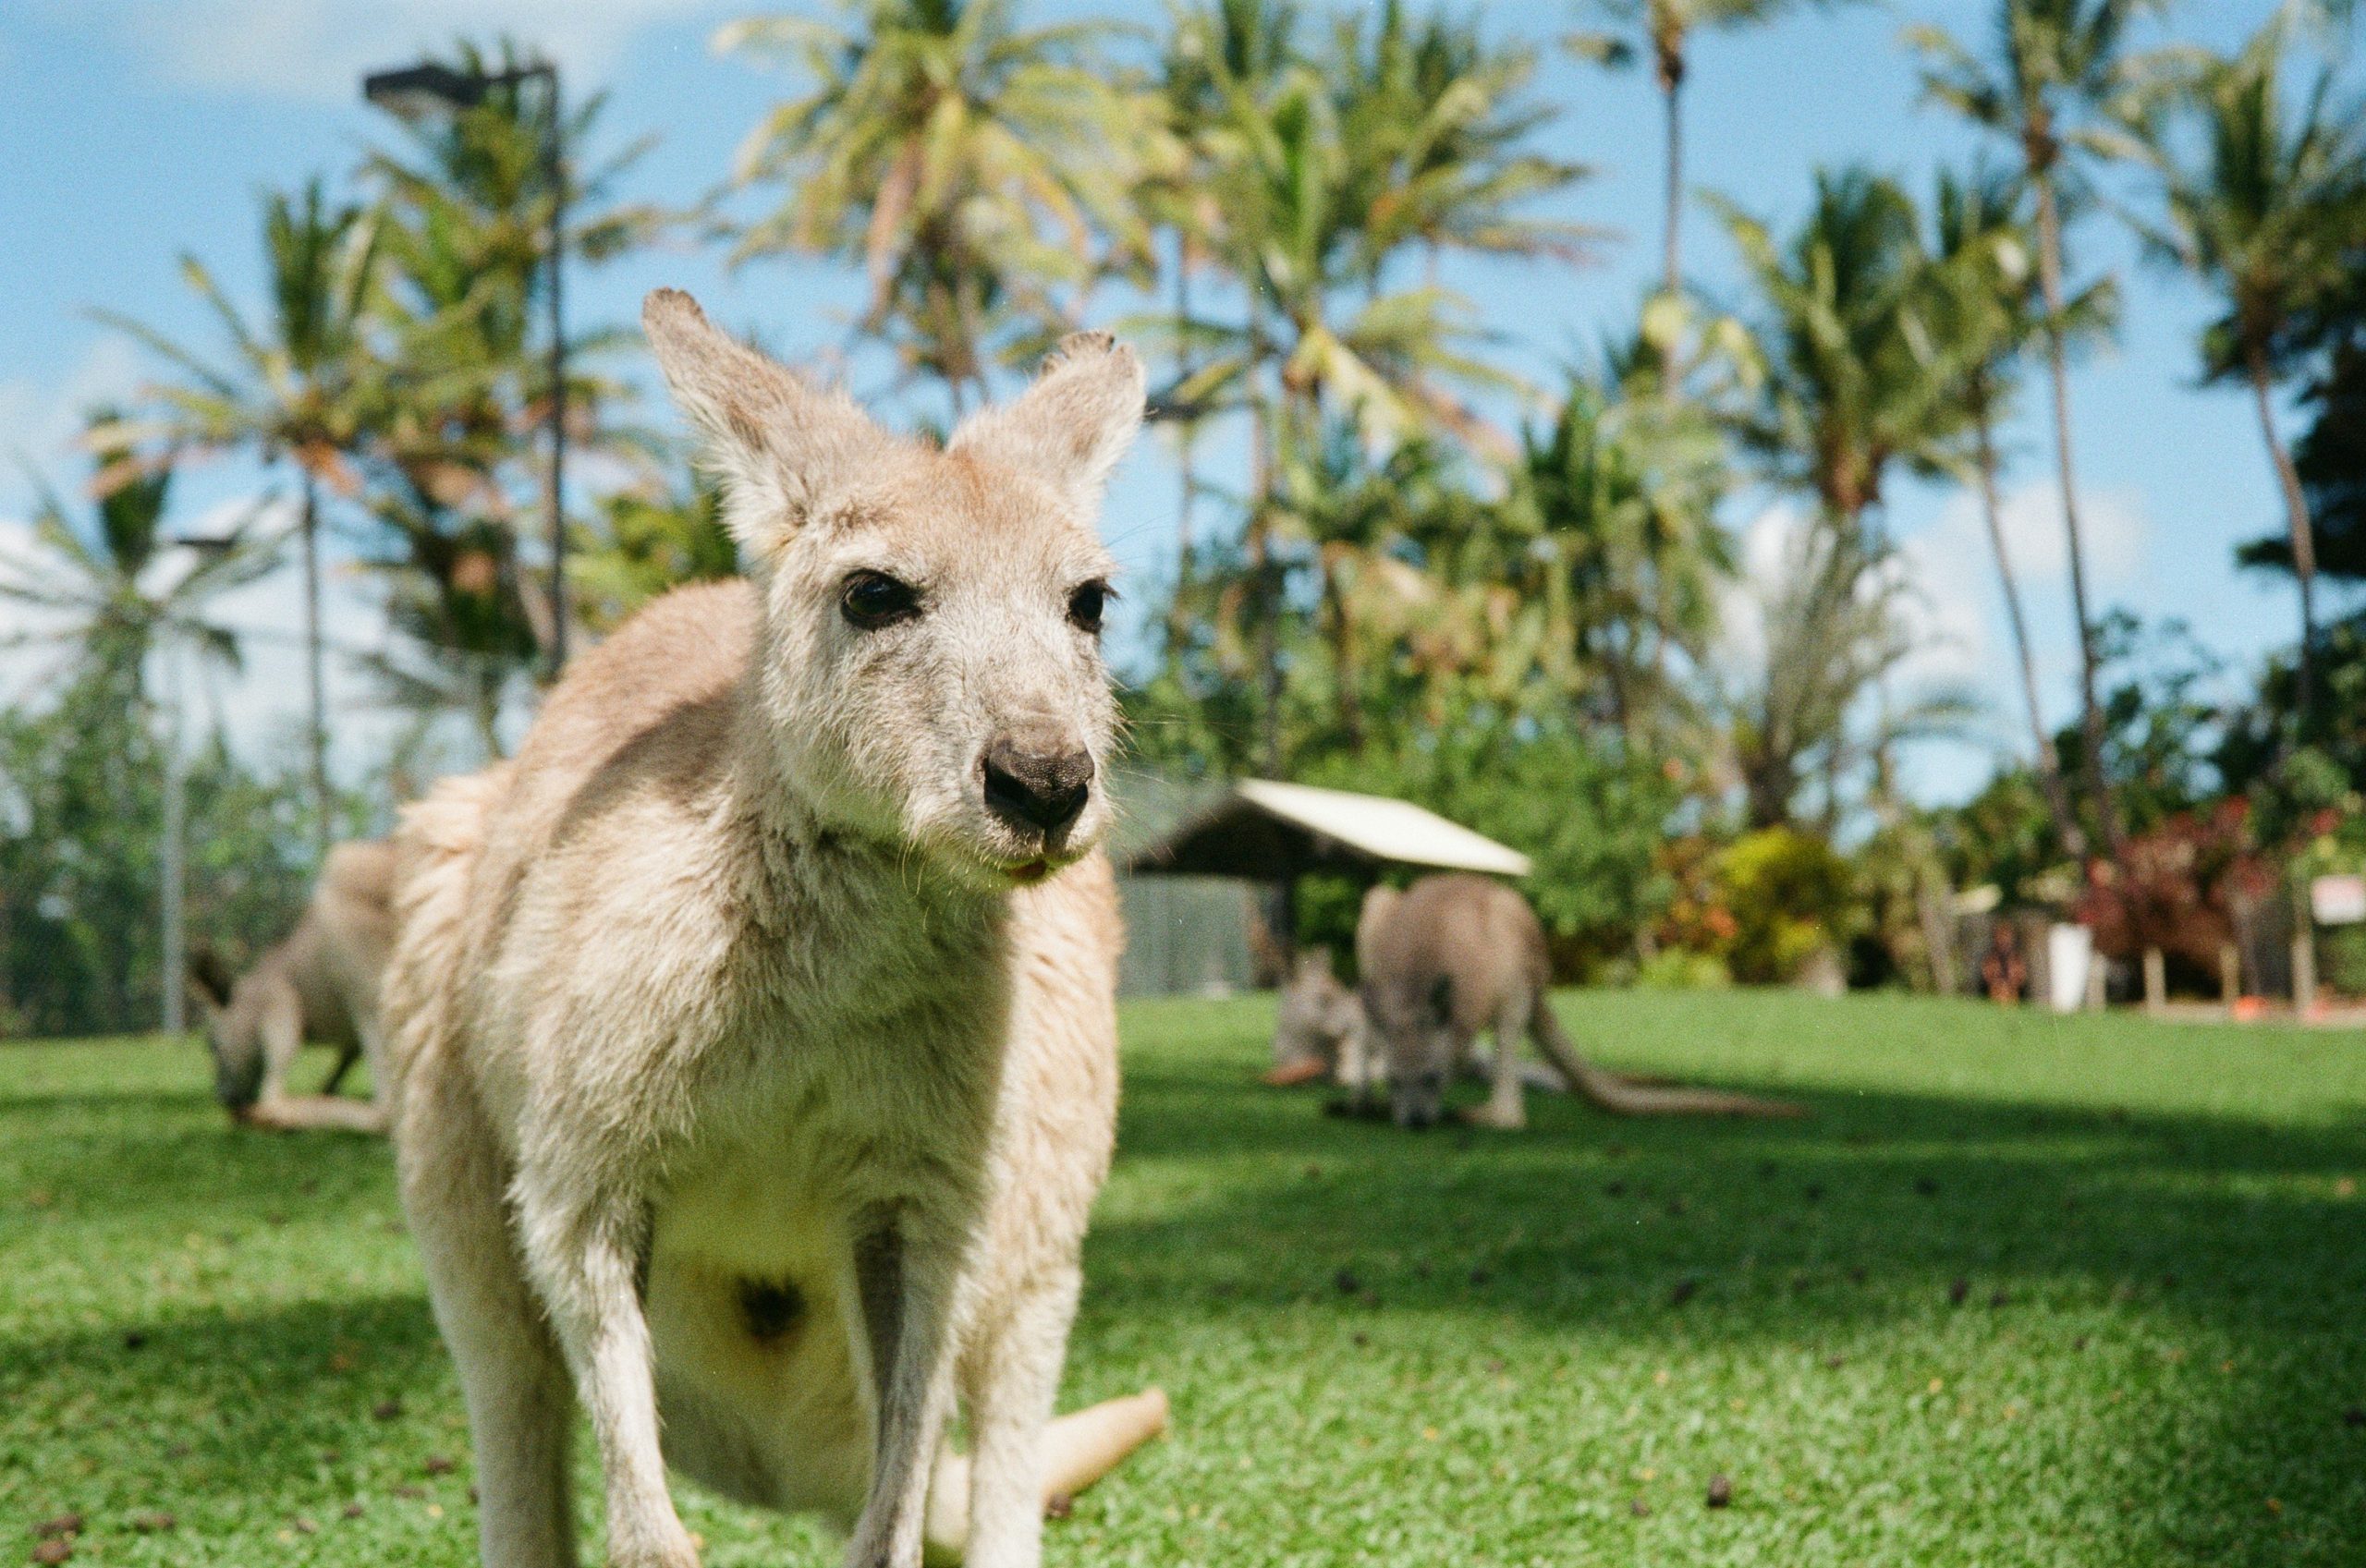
{"x":1266,"y":832}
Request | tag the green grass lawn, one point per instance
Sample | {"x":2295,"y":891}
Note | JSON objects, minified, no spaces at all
{"x":2022,"y":1291}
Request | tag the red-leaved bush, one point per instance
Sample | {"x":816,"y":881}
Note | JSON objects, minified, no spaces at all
{"x":2178,"y":886}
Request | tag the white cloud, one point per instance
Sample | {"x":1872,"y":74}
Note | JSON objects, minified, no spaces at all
{"x":1954,"y":563}
{"x":2113,"y":528}
{"x":318,"y":49}
{"x":1955,"y":605}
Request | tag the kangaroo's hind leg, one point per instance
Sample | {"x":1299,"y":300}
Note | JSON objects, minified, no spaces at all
{"x":1505,"y":1106}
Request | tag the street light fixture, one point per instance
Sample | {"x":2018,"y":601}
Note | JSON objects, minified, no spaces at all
{"x":421,"y":92}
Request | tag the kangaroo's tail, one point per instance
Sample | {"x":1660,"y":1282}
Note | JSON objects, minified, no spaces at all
{"x":1623,"y":1097}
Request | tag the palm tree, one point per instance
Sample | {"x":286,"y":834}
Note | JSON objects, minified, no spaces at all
{"x":1353,"y":512}
{"x":1211,"y":55}
{"x":95,"y":583}
{"x":104,"y":590}
{"x":1668,"y":27}
{"x":972,"y":167}
{"x":467,"y":202}
{"x":1318,"y":337}
{"x":1853,"y":383}
{"x":2267,"y":214}
{"x":1983,"y":307}
{"x":1833,"y":632}
{"x":299,"y":387}
{"x":2058,"y":72}
{"x":1614,"y":507}
{"x":1444,"y":124}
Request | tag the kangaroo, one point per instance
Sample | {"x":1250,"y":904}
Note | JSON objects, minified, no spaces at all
{"x":1318,"y":1026}
{"x":1320,"y":1036}
{"x":1454,"y":954}
{"x":753,"y":1029}
{"x":320,"y":983}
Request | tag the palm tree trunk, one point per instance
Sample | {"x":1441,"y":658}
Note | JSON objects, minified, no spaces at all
{"x":1671,"y":76}
{"x":1188,"y":440}
{"x":2091,"y":714}
{"x":2049,"y":766}
{"x":316,"y":687}
{"x":1263,"y":576}
{"x":2304,"y":541}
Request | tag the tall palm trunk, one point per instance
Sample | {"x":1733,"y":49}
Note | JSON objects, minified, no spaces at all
{"x":316,"y":687}
{"x":1671,"y":79}
{"x":2304,"y":542}
{"x":2091,"y":712}
{"x":2049,"y":766}
{"x":1188,"y":440}
{"x":1262,"y":579}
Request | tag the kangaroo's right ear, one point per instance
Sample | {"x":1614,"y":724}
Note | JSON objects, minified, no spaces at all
{"x":781,"y":447}
{"x":209,"y":979}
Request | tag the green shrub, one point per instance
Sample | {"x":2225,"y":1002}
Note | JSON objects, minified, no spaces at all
{"x":1680,"y":968}
{"x":1789,"y":896}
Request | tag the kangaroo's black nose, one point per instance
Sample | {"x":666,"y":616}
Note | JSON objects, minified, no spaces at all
{"x":1038,"y":781}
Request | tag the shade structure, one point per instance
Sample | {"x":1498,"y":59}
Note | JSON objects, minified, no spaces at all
{"x":1268,"y":832}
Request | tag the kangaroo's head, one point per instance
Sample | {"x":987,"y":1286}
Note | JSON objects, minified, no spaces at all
{"x":930,"y":659}
{"x":1414,"y":1020}
{"x":231,"y":1036}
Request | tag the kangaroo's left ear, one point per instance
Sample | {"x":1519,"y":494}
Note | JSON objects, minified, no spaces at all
{"x":1072,"y":425}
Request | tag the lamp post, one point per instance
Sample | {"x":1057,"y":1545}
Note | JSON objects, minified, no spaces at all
{"x":175,"y":892}
{"x":415,"y":93}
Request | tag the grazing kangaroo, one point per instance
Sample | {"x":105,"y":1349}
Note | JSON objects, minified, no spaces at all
{"x":754,"y":1029}
{"x":1452,"y":956}
{"x":320,"y":983}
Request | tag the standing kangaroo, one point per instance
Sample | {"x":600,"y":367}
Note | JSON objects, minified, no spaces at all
{"x":754,"y":1028}
{"x":320,"y":983}
{"x":1452,"y":956}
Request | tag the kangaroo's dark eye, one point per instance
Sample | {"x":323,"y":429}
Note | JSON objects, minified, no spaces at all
{"x":1086,"y":604}
{"x":872,"y":599}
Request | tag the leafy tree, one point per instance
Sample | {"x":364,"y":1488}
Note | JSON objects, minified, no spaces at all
{"x":1854,"y":383}
{"x":975,"y":169}
{"x":648,"y":539}
{"x":2267,"y":215}
{"x":299,"y":387}
{"x":1668,"y":27}
{"x":2056,"y":78}
{"x":81,"y":818}
{"x":105,"y":585}
{"x":454,"y":486}
{"x":1984,"y":316}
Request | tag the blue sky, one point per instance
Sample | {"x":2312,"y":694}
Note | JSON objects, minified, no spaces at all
{"x":138,"y":129}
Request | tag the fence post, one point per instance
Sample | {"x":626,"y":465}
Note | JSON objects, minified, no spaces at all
{"x":2156,"y":980}
{"x":2230,"y":976}
{"x":2304,"y":951}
